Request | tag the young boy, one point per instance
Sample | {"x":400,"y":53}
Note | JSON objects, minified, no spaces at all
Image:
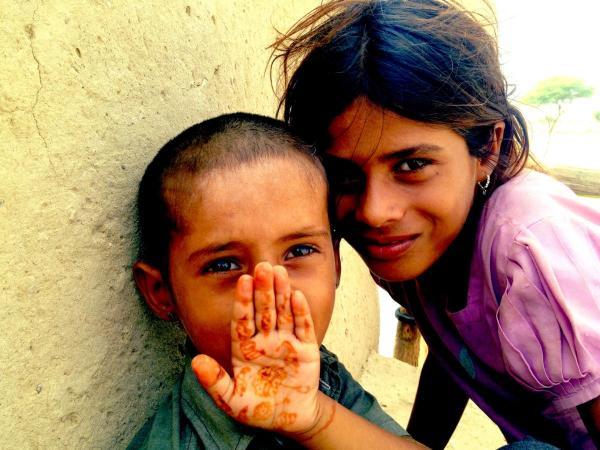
{"x":236,"y":243}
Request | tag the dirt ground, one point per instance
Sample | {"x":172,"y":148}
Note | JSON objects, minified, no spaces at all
{"x":394,"y":384}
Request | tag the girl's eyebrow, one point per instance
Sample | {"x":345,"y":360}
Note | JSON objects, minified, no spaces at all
{"x":406,"y":152}
{"x":393,"y":155}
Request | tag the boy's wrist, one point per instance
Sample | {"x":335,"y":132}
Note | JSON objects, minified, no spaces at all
{"x":326,"y":409}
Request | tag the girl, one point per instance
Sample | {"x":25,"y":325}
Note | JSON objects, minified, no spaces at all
{"x":499,"y":265}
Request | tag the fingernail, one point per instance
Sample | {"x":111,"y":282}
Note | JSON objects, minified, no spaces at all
{"x":245,"y":285}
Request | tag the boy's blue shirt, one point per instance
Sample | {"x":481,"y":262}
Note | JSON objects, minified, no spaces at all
{"x":188,"y":418}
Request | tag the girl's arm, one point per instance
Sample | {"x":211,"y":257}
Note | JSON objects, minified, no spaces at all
{"x":438,"y":407}
{"x":275,"y":362}
{"x":590,"y":414}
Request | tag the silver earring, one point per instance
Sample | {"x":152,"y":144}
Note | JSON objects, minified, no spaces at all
{"x":484,"y":185}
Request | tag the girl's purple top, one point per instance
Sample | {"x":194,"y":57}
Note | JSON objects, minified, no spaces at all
{"x":527,"y":344}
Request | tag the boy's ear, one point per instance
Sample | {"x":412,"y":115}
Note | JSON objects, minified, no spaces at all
{"x":338,"y":262}
{"x":155,"y":291}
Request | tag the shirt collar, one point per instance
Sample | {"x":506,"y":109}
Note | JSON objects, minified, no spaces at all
{"x":211,"y":424}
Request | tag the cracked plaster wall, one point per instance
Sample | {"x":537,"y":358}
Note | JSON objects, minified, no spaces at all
{"x":88,"y":92}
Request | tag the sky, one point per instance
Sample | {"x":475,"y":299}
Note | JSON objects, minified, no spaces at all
{"x":541,"y":39}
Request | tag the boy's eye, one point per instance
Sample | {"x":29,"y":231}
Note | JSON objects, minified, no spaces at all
{"x":411,"y":165}
{"x":221,"y":265}
{"x":299,"y":250}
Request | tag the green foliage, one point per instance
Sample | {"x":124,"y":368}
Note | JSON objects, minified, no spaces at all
{"x":557,"y":91}
{"x":597,"y":116}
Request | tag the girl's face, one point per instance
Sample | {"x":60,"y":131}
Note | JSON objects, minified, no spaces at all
{"x":275,"y":211}
{"x":403,"y":188}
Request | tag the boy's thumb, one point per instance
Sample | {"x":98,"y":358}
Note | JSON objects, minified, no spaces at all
{"x":207,"y":370}
{"x":214,"y":379}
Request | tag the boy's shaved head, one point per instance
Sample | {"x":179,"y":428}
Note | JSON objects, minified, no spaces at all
{"x":223,"y":143}
{"x":230,"y":140}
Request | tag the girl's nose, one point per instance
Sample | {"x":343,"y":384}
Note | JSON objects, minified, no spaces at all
{"x":380,"y":205}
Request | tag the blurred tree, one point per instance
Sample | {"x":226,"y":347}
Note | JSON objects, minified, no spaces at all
{"x":597,"y":116}
{"x":557,"y":91}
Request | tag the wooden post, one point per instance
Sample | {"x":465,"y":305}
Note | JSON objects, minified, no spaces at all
{"x":408,"y":337}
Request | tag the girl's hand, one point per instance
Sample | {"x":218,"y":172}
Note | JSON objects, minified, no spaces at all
{"x":275,"y":357}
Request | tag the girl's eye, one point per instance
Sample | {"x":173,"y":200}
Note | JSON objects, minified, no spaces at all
{"x":221,"y":265}
{"x":411,"y":165}
{"x":299,"y":251}
{"x":343,"y":176}
{"x":346,"y":183}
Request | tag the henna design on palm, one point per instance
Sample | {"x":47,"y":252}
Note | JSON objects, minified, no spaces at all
{"x":275,"y":356}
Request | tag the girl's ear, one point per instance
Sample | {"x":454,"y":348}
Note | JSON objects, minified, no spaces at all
{"x":155,"y":291}
{"x":488,"y":164}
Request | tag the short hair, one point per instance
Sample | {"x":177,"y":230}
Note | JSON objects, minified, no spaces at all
{"x":427,"y":60}
{"x":223,"y":142}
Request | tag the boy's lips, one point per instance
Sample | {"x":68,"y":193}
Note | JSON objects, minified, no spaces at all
{"x":386,"y":248}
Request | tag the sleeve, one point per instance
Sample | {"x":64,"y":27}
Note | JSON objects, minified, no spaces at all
{"x":549,"y":312}
{"x":355,"y":398}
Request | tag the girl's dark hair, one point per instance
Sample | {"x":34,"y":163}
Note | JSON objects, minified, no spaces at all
{"x":224,"y":142}
{"x":427,"y":60}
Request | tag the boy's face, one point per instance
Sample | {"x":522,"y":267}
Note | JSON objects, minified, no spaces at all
{"x":274,"y":211}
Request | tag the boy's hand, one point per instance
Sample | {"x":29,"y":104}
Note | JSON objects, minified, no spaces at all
{"x":275,"y":357}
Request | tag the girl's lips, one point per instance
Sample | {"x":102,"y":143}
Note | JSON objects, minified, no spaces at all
{"x":390,"y":249}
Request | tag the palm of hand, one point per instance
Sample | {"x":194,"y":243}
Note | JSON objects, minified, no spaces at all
{"x":275,"y":357}
{"x":276,"y":379}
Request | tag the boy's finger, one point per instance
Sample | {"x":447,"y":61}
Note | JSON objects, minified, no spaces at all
{"x":264,"y":298}
{"x":283,"y":294}
{"x":242,"y":322}
{"x":215,"y":380}
{"x":304,"y":328}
